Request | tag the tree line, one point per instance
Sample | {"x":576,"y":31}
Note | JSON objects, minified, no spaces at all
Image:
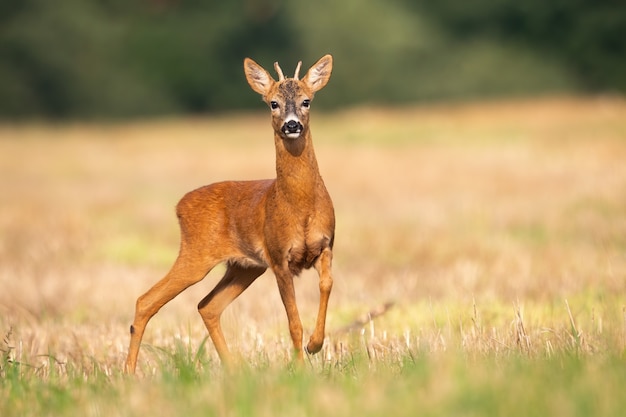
{"x":114,"y":58}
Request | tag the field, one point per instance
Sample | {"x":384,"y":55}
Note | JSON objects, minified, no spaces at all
{"x":480,"y":266}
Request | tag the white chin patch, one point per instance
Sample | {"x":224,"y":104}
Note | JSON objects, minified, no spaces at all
{"x":295,"y":135}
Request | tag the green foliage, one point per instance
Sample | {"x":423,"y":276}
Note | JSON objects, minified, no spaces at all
{"x":91,"y":58}
{"x":585,"y":36}
{"x":88,"y":58}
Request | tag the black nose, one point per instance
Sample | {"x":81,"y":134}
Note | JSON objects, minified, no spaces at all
{"x":292,"y":126}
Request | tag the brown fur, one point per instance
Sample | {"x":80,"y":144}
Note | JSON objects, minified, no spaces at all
{"x":286,"y":224}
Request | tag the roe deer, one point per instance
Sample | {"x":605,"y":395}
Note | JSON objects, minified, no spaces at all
{"x":286,"y":224}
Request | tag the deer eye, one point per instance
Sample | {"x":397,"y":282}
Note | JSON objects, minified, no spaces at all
{"x":273,"y":105}
{"x":306,"y":103}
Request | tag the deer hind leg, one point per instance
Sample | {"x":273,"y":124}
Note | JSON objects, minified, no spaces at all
{"x":186,"y":271}
{"x":288,"y":296}
{"x":235,"y":281}
{"x":323,"y":267}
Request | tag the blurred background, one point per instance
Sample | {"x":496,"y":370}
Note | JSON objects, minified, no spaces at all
{"x":109,"y":59}
{"x":478,"y":200}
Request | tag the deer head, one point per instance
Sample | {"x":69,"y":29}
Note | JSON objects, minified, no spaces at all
{"x":289,"y":98}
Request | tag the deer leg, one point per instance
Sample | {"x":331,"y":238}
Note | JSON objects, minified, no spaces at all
{"x":288,"y":296}
{"x":323,"y":267}
{"x":235,"y":281}
{"x":184,"y":273}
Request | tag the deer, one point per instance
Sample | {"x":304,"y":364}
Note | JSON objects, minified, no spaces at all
{"x":286,"y":224}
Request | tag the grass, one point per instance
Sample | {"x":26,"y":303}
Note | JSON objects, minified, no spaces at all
{"x":450,"y":384}
{"x":480,"y":266}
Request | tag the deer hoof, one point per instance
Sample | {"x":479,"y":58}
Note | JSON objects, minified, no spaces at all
{"x":314,"y":346}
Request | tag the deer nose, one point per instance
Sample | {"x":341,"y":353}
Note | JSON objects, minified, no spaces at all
{"x":292,"y":126}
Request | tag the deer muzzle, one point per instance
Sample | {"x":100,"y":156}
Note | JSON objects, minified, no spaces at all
{"x":292,"y":129}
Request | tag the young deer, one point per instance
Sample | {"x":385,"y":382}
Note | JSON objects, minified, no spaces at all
{"x":286,"y":224}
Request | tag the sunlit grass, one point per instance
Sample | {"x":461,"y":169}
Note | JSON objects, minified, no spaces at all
{"x":479,"y":264}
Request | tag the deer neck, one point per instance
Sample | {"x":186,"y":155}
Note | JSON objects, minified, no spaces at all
{"x":297,"y":173}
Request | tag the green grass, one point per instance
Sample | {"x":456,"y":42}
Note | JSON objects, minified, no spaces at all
{"x":438,"y":385}
{"x":495,"y":231}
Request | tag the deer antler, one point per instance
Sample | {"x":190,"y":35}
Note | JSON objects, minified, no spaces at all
{"x":281,"y":77}
{"x":297,"y":73}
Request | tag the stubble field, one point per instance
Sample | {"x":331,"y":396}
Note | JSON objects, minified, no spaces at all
{"x":480,"y":266}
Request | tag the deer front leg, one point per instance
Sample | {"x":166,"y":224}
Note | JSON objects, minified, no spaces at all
{"x":323,"y":267}
{"x":288,"y":296}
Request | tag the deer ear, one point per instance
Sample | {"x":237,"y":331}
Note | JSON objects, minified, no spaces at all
{"x":259,"y":79}
{"x":319,"y":74}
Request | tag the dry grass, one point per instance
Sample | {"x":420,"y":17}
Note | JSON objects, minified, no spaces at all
{"x":493,"y":228}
